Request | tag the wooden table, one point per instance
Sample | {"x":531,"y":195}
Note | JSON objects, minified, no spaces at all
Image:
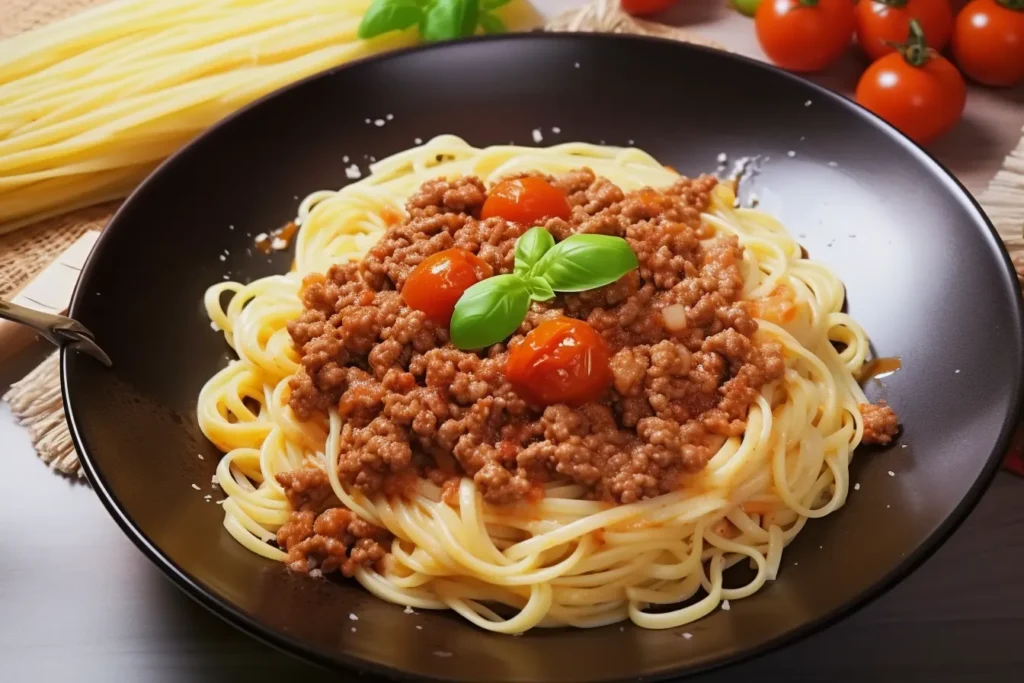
{"x":78,"y":602}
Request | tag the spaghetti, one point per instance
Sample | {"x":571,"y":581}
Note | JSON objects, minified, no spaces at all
{"x":93,"y":103}
{"x":564,"y":558}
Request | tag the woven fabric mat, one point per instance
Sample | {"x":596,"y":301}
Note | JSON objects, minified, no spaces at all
{"x":35,"y":401}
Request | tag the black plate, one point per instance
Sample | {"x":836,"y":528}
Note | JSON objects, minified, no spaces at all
{"x":926,"y":275}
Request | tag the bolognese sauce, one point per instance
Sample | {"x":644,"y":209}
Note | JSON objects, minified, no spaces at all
{"x":662,"y":365}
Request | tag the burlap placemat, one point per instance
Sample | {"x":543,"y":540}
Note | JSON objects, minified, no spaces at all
{"x":1003,"y":201}
{"x":35,"y":401}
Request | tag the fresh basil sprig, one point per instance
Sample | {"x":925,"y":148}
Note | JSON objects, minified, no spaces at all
{"x":489,"y":311}
{"x":493,"y":309}
{"x":492,"y":23}
{"x":390,"y":15}
{"x":584,"y":262}
{"x":530,"y":248}
{"x":437,"y":19}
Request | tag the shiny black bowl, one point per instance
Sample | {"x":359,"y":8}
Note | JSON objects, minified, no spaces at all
{"x":926,"y":276}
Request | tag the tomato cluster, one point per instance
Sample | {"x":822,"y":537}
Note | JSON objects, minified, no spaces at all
{"x":559,"y":361}
{"x":988,"y":41}
{"x":917,"y":90}
{"x":438,"y":282}
{"x":909,"y":83}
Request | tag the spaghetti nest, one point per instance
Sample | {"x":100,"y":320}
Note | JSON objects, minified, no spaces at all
{"x":723,"y":407}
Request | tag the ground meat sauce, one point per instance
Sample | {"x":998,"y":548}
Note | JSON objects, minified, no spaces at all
{"x":412,"y":403}
{"x":880,"y":423}
{"x":321,"y":534}
{"x":336,"y":539}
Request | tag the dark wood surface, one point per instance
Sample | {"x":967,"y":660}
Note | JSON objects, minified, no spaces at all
{"x":78,"y":602}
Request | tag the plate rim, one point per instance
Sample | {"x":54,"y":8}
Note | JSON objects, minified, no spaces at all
{"x":204,"y":595}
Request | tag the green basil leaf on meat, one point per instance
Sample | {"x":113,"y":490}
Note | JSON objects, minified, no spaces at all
{"x":489,"y":312}
{"x":583,"y":262}
{"x":539,"y":289}
{"x":530,"y":247}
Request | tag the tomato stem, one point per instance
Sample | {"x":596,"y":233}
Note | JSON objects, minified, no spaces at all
{"x":1015,"y":5}
{"x":808,"y":3}
{"x":915,"y":51}
{"x":898,"y":4}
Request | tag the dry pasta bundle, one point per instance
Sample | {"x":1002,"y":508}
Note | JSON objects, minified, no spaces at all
{"x":91,"y":104}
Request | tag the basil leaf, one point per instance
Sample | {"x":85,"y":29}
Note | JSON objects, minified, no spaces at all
{"x":488,"y":5}
{"x":389,"y":15}
{"x":489,"y":311}
{"x":583,"y":262}
{"x":539,"y":289}
{"x":471,"y":17}
{"x":530,"y":247}
{"x":448,"y":19}
{"x":492,"y":24}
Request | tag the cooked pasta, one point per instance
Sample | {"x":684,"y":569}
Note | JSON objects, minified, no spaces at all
{"x":583,"y":545}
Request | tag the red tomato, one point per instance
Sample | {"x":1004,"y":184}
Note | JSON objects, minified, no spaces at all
{"x":804,"y":35}
{"x":988,"y":41}
{"x":641,"y":7}
{"x":435,"y":285}
{"x":526,"y":200}
{"x":560,"y":361}
{"x":882,"y":22}
{"x":917,"y":90}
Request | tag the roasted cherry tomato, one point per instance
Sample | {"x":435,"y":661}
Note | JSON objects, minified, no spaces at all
{"x":804,"y":35}
{"x":560,"y":361}
{"x":988,"y":41}
{"x":526,"y":200}
{"x":883,"y":24}
{"x":639,"y":8}
{"x":916,"y":89}
{"x":435,"y":285}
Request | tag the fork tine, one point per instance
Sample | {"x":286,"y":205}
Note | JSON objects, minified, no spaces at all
{"x":87,"y":346}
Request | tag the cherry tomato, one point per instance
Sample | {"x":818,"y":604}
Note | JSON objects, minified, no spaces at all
{"x":560,"y":361}
{"x":988,"y":41}
{"x":641,"y":7}
{"x":916,"y":89}
{"x":804,"y":35}
{"x":526,"y":200}
{"x":883,"y":22}
{"x":435,"y":285}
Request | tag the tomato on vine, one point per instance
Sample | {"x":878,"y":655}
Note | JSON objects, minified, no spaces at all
{"x":883,"y":24}
{"x":988,"y":41}
{"x":915,"y":89}
{"x":804,"y":35}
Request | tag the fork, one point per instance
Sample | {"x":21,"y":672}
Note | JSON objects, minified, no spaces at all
{"x":60,"y":330}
